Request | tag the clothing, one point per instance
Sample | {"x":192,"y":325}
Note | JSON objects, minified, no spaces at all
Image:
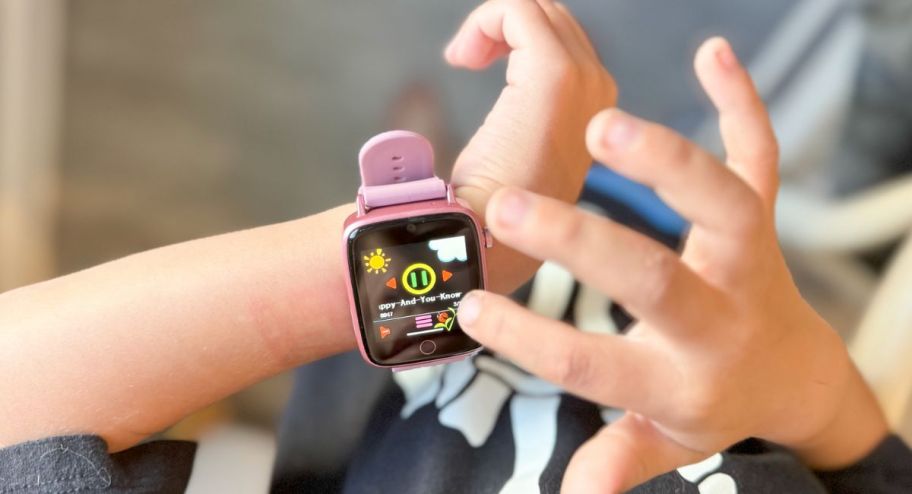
{"x":81,"y":464}
{"x":430,"y":451}
{"x":396,"y":461}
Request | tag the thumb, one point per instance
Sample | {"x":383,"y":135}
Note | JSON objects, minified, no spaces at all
{"x":623,"y":455}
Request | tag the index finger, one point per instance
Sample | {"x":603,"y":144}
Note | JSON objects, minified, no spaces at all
{"x":647,"y":278}
{"x":497,"y":27}
{"x":607,"y":369}
{"x":687,"y":177}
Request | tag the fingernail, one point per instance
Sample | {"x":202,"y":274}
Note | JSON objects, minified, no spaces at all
{"x":512,"y":207}
{"x":469,"y":308}
{"x":726,"y":56}
{"x":621,"y":130}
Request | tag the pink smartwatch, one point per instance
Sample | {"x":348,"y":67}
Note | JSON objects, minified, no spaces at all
{"x":412,"y":252}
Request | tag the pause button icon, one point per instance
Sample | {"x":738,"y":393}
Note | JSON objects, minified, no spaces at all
{"x":419,"y":278}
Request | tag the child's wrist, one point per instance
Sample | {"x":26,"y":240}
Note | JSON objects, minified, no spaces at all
{"x":857,"y":428}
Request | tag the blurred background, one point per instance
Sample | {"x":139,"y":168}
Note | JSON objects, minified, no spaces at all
{"x":127,"y":125}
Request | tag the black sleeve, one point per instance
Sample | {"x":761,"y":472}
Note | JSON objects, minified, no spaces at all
{"x":887,"y":470}
{"x":83,"y":464}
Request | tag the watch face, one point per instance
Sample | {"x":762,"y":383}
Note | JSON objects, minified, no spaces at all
{"x":409,"y":276}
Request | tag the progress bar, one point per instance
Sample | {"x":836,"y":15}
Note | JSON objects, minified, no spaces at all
{"x":426,"y":331}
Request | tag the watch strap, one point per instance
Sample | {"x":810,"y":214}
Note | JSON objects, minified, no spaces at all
{"x":397,"y":167}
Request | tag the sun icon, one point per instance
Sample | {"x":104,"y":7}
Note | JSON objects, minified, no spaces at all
{"x":376,"y":262}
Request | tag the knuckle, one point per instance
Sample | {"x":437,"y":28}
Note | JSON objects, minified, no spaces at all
{"x":760,"y":156}
{"x":590,"y":77}
{"x":530,"y":8}
{"x":569,"y":228}
{"x":571,"y":367}
{"x":767,"y":155}
{"x":662,"y":268}
{"x":597,"y":85}
{"x":751,"y":217}
{"x":681,"y":152}
{"x":493,"y":319}
{"x":566,"y":74}
{"x":700,"y":405}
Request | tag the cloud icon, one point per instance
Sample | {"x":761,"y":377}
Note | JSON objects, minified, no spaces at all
{"x":449,"y":249}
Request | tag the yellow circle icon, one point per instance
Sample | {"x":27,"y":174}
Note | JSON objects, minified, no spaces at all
{"x":376,"y":261}
{"x":419,"y":278}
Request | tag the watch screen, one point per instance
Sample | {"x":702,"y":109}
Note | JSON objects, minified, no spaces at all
{"x":409,"y":277}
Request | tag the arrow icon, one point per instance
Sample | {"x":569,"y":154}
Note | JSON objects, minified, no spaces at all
{"x":391,"y":283}
{"x":446,"y":275}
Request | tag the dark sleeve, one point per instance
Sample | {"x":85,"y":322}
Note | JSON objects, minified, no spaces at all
{"x":887,"y":470}
{"x":82,"y":464}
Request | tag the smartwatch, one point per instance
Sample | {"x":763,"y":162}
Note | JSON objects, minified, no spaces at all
{"x":412,"y":251}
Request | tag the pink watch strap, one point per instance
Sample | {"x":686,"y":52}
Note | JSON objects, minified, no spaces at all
{"x":398,"y":167}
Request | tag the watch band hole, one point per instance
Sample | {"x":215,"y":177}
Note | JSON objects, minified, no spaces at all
{"x":398,"y":179}
{"x":398,"y":168}
{"x":397,"y":158}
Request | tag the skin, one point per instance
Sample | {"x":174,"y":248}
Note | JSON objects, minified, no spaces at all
{"x":125,"y":349}
{"x":725,"y":347}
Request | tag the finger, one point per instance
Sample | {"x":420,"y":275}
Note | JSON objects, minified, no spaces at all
{"x":692,"y":181}
{"x":646,"y":277}
{"x":497,"y":27}
{"x":564,"y":26}
{"x":623,"y":455}
{"x":747,"y":133}
{"x":582,"y":39}
{"x":607,"y":369}
{"x":586,"y":55}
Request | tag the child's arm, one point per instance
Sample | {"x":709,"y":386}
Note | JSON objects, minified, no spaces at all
{"x":725,"y":347}
{"x":127,"y":348}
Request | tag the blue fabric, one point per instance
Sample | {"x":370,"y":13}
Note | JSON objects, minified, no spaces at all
{"x":638,"y":197}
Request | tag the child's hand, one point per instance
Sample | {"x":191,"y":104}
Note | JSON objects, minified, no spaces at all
{"x":725,"y":347}
{"x":534,"y":136}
